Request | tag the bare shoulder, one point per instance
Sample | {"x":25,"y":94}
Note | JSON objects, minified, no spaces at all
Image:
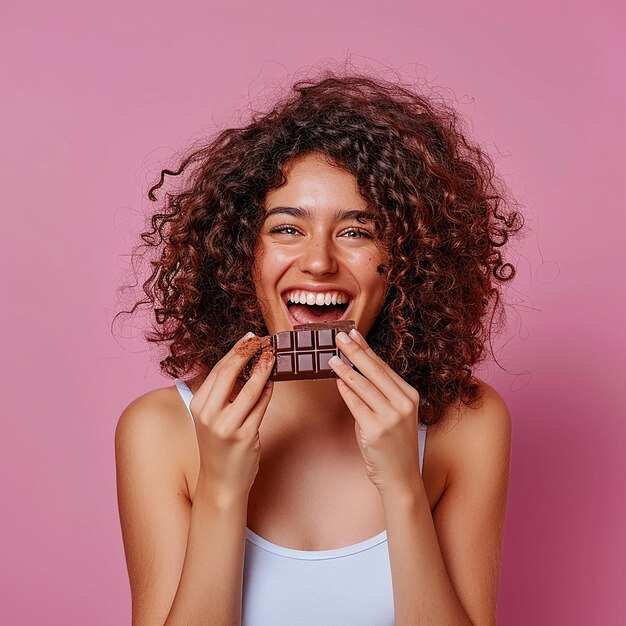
{"x":475,"y":435}
{"x":156,"y":425}
{"x":158,"y":413}
{"x":466,"y":434}
{"x":491,"y":411}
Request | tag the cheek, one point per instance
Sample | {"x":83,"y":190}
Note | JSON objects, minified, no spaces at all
{"x":372,"y":263}
{"x":269,"y":265}
{"x":272,"y":257}
{"x":374,"y":283}
{"x":281,"y":257}
{"x":374,"y":273}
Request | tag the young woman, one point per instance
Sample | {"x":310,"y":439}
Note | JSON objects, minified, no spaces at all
{"x":323,"y":502}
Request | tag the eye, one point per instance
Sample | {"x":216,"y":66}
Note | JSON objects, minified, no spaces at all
{"x":360,"y":233}
{"x":283,"y":228}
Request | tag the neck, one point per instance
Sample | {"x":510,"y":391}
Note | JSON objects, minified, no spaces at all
{"x":314,"y":406}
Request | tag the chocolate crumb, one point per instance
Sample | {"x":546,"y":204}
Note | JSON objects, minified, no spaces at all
{"x":260,"y":351}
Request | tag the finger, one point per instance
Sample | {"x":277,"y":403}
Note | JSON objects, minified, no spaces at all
{"x":205,"y":388}
{"x":230,"y":367}
{"x":375,"y":370}
{"x":361,"y":386}
{"x":237,"y":387}
{"x":256,"y":415}
{"x":361,"y":412}
{"x":251,"y":391}
{"x":356,"y":336}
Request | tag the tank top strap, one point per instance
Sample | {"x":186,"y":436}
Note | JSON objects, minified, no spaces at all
{"x":185,"y":394}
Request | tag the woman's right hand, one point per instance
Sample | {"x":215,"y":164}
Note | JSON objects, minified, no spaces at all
{"x":228,"y":432}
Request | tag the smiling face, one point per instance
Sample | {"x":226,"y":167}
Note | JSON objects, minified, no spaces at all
{"x":314,"y":260}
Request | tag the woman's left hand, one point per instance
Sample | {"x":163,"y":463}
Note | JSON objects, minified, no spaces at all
{"x":385,"y":409}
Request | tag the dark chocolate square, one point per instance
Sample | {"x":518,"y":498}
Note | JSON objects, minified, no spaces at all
{"x":325,"y":338}
{"x":304,"y":339}
{"x":284,"y":363}
{"x":306,"y":361}
{"x":283,"y":341}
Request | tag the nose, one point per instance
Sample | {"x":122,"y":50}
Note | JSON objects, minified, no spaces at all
{"x":318,"y":257}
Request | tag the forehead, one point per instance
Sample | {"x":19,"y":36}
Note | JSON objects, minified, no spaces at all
{"x":315,"y":185}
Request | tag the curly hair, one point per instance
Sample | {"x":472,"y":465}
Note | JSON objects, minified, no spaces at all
{"x":440,"y":213}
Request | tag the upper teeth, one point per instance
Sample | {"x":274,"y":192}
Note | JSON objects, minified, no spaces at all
{"x":309,"y":297}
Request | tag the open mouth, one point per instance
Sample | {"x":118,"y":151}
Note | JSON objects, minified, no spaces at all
{"x":299,"y":313}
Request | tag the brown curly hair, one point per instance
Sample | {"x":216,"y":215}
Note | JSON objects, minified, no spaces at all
{"x":441,"y":214}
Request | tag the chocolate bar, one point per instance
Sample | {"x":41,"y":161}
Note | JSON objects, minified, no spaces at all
{"x":300,"y":354}
{"x":303,"y":353}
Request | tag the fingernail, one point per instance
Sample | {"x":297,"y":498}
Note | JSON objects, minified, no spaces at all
{"x":355,"y":334}
{"x":343,"y":338}
{"x":248,"y":335}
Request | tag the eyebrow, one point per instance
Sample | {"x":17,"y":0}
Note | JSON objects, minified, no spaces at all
{"x":305,"y":214}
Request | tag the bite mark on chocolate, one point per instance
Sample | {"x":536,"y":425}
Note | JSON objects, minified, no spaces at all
{"x":260,"y":352}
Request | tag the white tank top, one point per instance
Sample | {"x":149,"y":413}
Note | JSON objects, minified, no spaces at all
{"x":348,"y":586}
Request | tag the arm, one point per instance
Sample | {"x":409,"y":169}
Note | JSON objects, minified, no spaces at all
{"x":445,"y":567}
{"x":185,"y":563}
{"x":210,"y":589}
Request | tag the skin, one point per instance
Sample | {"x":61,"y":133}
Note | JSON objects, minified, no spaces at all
{"x":317,"y":250}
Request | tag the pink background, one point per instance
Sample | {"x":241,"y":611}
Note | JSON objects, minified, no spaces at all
{"x":96,"y":97}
